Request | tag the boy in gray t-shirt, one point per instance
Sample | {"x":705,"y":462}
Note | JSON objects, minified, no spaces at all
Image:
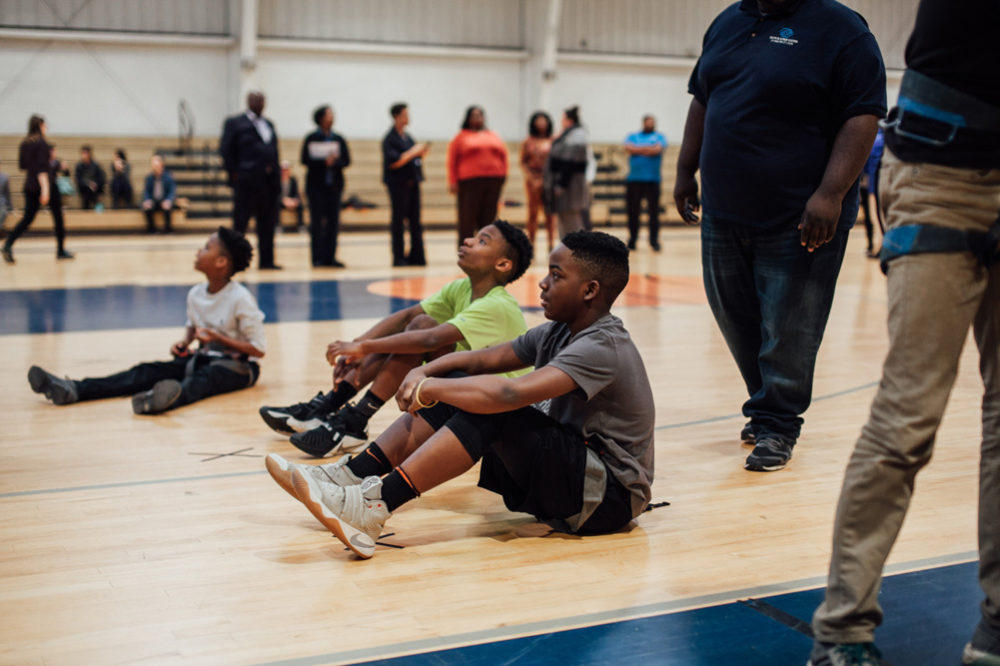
{"x":570,"y":442}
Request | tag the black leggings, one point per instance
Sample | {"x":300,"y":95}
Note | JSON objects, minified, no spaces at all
{"x":32,"y":202}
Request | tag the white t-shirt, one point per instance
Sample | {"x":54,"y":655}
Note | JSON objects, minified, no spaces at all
{"x":231,"y":311}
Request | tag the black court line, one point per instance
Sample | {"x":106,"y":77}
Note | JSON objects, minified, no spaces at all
{"x":781,"y":616}
{"x":238,"y":453}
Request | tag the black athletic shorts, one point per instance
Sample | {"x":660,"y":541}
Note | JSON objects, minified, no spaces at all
{"x":535,"y":463}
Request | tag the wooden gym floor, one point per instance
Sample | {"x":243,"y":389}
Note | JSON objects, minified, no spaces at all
{"x":128,"y":539}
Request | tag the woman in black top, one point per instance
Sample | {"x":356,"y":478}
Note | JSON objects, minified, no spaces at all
{"x":35,"y":157}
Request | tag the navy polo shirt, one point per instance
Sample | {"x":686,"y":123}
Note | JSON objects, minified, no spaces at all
{"x":776,"y":89}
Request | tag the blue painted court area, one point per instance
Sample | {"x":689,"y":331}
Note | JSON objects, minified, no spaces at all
{"x":929,"y":615}
{"x":128,"y":306}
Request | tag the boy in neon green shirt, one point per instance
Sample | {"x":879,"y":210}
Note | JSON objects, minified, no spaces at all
{"x":473,"y":312}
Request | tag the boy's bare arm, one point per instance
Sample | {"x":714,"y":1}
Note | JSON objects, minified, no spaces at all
{"x":180,"y":348}
{"x":488,"y":394}
{"x":407,"y":342}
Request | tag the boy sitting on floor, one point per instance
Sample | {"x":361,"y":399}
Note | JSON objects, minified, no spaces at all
{"x":470,"y":313}
{"x":570,"y":442}
{"x":221,"y":314}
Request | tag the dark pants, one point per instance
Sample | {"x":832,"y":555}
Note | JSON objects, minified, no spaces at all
{"x":151,"y":223}
{"x":535,"y":463}
{"x":31,"y":206}
{"x":635,"y":193}
{"x":257,"y":197}
{"x":207,"y":380}
{"x":405,"y":201}
{"x":88,"y":197}
{"x":324,"y":223}
{"x":121,"y":193}
{"x":771,"y":299}
{"x":477,"y":204}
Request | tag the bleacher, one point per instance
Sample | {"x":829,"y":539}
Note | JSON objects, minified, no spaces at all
{"x":205,"y":201}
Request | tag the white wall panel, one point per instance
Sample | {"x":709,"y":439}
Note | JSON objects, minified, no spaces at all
{"x":496,"y":23}
{"x":108,"y":89}
{"x":199,"y":17}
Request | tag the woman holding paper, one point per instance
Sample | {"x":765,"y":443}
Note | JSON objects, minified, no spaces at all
{"x":325,"y":156}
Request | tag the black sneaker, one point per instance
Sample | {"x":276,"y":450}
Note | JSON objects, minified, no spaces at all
{"x":342,"y":431}
{"x":160,"y":398}
{"x":8,"y":254}
{"x":59,"y":391}
{"x":845,"y":654}
{"x":64,"y":254}
{"x":747,"y":435}
{"x":769,"y":455}
{"x":299,"y":417}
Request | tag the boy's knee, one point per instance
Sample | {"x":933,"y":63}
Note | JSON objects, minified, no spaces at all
{"x":421,"y":322}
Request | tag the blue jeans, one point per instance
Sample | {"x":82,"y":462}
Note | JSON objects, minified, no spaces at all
{"x":771,"y":299}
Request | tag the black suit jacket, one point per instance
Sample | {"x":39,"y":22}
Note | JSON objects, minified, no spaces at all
{"x":317,"y":169}
{"x":244,"y":153}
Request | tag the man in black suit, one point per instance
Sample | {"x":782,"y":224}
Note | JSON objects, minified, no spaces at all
{"x":325,"y":155}
{"x":249,"y":150}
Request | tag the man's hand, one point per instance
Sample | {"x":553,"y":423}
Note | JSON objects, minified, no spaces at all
{"x":167,"y":204}
{"x":147,"y":204}
{"x":686,"y":198}
{"x":343,"y":348}
{"x":819,"y":220}
{"x":330,"y":159}
{"x":343,"y":370}
{"x":180,"y":348}
{"x":404,"y":396}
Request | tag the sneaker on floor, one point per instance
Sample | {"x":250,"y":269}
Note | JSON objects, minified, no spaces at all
{"x":975,"y":657}
{"x":59,"y":391}
{"x":355,"y":514}
{"x":341,"y":432}
{"x":845,"y":654}
{"x":769,"y":454}
{"x":158,"y":399}
{"x":338,"y":472}
{"x":747,"y":435}
{"x":8,"y":254}
{"x":300,"y":417}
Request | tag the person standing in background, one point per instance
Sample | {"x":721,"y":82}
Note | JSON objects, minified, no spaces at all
{"x":35,"y":156}
{"x":566,"y":192}
{"x":402,"y":173}
{"x":534,"y":153}
{"x":477,"y":169}
{"x":645,"y":161}
{"x":5,"y":201}
{"x":289,"y":198}
{"x":325,"y":155}
{"x":249,"y":150}
{"x":780,"y":125}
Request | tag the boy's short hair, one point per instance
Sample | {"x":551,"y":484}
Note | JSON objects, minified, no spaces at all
{"x":604,"y":257}
{"x":237,"y":248}
{"x":397,"y":109}
{"x":519,"y":248}
{"x":319,"y":113}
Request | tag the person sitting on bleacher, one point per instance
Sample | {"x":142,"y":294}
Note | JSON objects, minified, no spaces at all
{"x":158,"y":194}
{"x":89,"y":177}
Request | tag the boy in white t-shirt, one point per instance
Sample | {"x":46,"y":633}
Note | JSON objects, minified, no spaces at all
{"x":222,"y":315}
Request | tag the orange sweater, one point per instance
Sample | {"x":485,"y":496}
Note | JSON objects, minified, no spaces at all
{"x":476,"y":154}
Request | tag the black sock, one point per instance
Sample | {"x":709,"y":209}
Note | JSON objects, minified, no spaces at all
{"x":339,"y":396}
{"x":397,"y":489}
{"x":370,"y":462}
{"x":368,"y":405}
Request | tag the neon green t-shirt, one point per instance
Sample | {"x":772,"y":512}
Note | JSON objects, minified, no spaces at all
{"x":490,"y":320}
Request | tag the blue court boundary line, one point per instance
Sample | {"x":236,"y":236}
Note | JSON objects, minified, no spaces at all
{"x":126,"y":484}
{"x":409,"y":648}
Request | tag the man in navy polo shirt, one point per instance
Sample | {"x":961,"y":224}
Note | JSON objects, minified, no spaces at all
{"x":787,"y":98}
{"x":645,"y":158}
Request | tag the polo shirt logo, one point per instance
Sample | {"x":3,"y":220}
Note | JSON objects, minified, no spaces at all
{"x":784,"y":37}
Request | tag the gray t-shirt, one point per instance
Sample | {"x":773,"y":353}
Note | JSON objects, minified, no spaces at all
{"x":613,"y":404}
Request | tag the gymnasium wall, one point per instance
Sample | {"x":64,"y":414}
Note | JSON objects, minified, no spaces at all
{"x":107,"y":67}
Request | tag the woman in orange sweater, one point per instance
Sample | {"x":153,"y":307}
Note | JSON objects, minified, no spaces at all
{"x":534,"y":153}
{"x":477,"y":168}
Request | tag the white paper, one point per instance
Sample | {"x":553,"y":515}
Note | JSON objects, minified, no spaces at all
{"x":320,"y":150}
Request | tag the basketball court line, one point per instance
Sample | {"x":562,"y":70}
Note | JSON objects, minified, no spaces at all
{"x":497,"y":634}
